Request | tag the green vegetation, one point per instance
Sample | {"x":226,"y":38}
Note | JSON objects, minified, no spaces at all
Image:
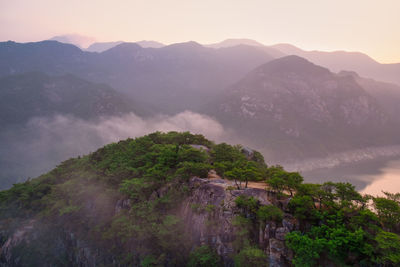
{"x":150,"y":172}
{"x":204,"y":256}
{"x":125,"y":199}
{"x":231,"y":163}
{"x":251,"y":256}
{"x":338,"y":226}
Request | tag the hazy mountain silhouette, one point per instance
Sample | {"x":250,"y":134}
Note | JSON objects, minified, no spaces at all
{"x":150,"y":44}
{"x":101,"y":47}
{"x":78,"y":40}
{"x":292,"y":108}
{"x":173,"y":78}
{"x":342,"y":60}
{"x":51,"y":57}
{"x":36,"y":94}
{"x":387,"y":94}
{"x":234,"y":42}
{"x":247,"y":42}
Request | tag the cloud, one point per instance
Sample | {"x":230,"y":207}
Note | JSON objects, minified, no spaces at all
{"x":77,"y":134}
{"x":46,"y":141}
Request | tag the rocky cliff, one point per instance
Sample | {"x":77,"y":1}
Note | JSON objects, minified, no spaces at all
{"x":208,"y":212}
{"x":213,"y":225}
{"x":139,"y":202}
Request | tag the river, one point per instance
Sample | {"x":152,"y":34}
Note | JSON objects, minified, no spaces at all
{"x":369,"y":177}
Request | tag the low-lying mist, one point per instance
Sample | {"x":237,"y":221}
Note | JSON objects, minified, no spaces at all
{"x":46,"y":141}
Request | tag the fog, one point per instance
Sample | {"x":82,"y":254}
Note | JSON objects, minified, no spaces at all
{"x":46,"y":141}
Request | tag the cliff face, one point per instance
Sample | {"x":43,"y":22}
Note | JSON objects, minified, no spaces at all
{"x":208,"y":214}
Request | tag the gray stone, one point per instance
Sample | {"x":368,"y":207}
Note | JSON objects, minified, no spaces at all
{"x":280,"y":233}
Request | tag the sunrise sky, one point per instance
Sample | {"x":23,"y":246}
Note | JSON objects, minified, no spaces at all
{"x":368,"y":26}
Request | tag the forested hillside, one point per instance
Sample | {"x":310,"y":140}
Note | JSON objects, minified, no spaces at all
{"x":151,"y":201}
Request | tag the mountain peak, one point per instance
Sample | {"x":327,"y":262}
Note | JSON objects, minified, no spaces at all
{"x":150,"y":44}
{"x":124,"y":48}
{"x":189,"y":44}
{"x":234,"y":42}
{"x":78,"y":40}
{"x":293,"y":64}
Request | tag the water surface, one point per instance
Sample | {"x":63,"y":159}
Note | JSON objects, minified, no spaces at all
{"x":370,"y":177}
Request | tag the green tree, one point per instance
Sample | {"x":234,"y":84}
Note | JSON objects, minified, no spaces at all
{"x":204,"y":256}
{"x":388,"y":211}
{"x":306,"y":250}
{"x":282,"y":180}
{"x":388,"y":248}
{"x":251,"y":256}
{"x":244,"y":171}
{"x":347,"y":194}
{"x":269,"y":212}
{"x":303,"y":207}
{"x":293,"y":181}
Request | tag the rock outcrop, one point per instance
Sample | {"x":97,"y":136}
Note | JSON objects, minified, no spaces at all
{"x":210,"y":211}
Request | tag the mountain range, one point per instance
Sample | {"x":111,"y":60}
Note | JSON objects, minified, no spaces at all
{"x":35,"y":94}
{"x":336,"y":61}
{"x":174,"y":77}
{"x":291,"y":107}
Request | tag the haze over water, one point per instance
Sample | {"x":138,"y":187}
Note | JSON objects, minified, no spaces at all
{"x":388,"y":180}
{"x":370,"y":177}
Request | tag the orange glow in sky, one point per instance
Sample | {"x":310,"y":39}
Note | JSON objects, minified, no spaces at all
{"x":368,"y":26}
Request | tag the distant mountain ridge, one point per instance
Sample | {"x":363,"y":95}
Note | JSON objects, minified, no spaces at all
{"x":336,"y":61}
{"x":35,"y":94}
{"x":174,"y":77}
{"x":78,"y":40}
{"x":293,"y":108}
{"x":351,"y":61}
{"x":234,"y":42}
{"x":103,"y":46}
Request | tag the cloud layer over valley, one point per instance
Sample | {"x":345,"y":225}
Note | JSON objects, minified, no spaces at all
{"x":46,"y":141}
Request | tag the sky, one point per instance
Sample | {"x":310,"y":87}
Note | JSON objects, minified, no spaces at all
{"x":368,"y":26}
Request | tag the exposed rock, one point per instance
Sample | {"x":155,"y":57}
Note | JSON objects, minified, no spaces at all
{"x":281,"y":232}
{"x":276,"y":252}
{"x":122,"y":204}
{"x":216,"y":229}
{"x":289,"y":222}
{"x":19,"y":236}
{"x":208,"y":213}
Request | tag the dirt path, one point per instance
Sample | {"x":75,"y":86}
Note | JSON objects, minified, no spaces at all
{"x":214,"y":177}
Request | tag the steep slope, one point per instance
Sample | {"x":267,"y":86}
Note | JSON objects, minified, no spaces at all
{"x":352,"y":61}
{"x":291,"y":107}
{"x":140,"y":202}
{"x":131,"y":195}
{"x":172,"y":78}
{"x":387,"y":94}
